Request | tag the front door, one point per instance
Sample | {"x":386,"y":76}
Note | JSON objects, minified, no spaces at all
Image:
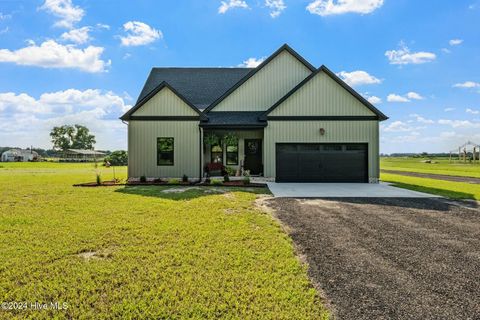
{"x":253,"y":156}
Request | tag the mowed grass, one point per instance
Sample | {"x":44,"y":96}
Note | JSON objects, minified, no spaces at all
{"x":141,"y":253}
{"x":443,"y":166}
{"x":448,"y":189}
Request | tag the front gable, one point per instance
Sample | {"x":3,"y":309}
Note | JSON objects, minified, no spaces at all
{"x":267,"y":84}
{"x":163,"y":103}
{"x":323,"y":94}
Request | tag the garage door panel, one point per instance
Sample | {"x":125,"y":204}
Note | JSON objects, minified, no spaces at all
{"x":321,"y":162}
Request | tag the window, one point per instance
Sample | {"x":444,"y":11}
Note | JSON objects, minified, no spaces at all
{"x":216,"y":154}
{"x":232,"y":154}
{"x":165,"y":151}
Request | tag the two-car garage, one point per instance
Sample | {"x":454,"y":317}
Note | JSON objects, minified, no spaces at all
{"x":327,"y":162}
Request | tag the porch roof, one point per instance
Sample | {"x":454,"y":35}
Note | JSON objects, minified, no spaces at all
{"x":233,"y":120}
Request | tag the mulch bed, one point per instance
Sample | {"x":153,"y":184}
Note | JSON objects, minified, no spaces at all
{"x":163,"y":183}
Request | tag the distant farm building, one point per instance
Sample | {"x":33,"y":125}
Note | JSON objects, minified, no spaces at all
{"x":19,"y":155}
{"x":79,"y":155}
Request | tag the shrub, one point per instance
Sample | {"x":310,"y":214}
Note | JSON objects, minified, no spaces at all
{"x":230,"y":171}
{"x":184,"y":178}
{"x":99,"y":179}
{"x":217,"y":182}
{"x":117,"y":158}
{"x":173,"y":181}
{"x":143,"y":178}
{"x":207,"y":180}
{"x":226,"y":178}
{"x":246,"y":180}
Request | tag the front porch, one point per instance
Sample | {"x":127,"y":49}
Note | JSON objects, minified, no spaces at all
{"x":233,"y":152}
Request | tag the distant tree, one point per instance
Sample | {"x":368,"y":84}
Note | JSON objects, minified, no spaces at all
{"x":118,"y":158}
{"x":72,"y":137}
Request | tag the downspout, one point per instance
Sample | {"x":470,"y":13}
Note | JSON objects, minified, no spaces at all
{"x":200,"y":153}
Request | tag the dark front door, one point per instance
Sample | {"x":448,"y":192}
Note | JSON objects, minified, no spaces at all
{"x":253,"y":156}
{"x":301,"y":162}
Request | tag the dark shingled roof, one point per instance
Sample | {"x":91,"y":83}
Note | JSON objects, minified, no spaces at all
{"x":233,"y":119}
{"x":200,"y":86}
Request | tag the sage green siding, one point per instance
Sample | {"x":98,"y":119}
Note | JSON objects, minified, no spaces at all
{"x":321,"y":96}
{"x":142,"y":148}
{"x":165,"y":103}
{"x":142,"y":138}
{"x":267,"y":86}
{"x":309,"y":132}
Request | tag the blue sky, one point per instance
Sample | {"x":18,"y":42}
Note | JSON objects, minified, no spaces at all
{"x":85,"y":61}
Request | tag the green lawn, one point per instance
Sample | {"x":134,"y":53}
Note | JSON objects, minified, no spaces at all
{"x":140,"y":252}
{"x":449,"y":189}
{"x":443,"y":166}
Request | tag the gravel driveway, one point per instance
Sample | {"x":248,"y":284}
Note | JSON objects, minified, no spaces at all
{"x":389,"y":258}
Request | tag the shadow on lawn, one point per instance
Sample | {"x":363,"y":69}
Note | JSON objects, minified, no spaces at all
{"x":185,"y":193}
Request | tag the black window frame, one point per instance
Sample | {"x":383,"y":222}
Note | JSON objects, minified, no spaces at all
{"x":232,"y":152}
{"x":168,"y":152}
{"x":216,"y":152}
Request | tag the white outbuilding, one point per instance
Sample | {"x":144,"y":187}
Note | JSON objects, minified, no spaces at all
{"x":19,"y":155}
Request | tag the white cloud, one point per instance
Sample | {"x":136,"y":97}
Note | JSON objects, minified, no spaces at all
{"x":396,"y":98}
{"x":467,"y":84}
{"x":62,"y":101}
{"x":225,"y":6}
{"x":97,"y":109}
{"x":446,"y":50}
{"x":103,"y":26}
{"x":333,"y":7}
{"x":414,"y":96}
{"x":449,"y":109}
{"x":5,"y":16}
{"x":68,"y":13}
{"x":421,"y":119}
{"x":4,"y":30}
{"x":139,"y":34}
{"x":455,"y":42}
{"x":358,"y":78}
{"x":251,"y":62}
{"x":404,"y":56}
{"x":465,"y":124}
{"x":374,"y":100}
{"x":472,"y":111}
{"x":79,"y":36}
{"x":405,"y":98}
{"x":51,"y":54}
{"x":276,"y":6}
{"x":397,"y":126}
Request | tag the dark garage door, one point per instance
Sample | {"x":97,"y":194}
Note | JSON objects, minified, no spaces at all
{"x":301,"y":162}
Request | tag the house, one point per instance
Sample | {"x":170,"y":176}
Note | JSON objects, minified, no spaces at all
{"x":289,"y":121}
{"x":19,"y":155}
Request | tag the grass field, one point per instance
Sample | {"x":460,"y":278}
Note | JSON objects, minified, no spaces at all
{"x":442,"y":166}
{"x":449,"y":189}
{"x":142,"y":252}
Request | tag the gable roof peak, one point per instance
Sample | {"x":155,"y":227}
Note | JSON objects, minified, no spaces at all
{"x":335,"y":78}
{"x":284,"y":47}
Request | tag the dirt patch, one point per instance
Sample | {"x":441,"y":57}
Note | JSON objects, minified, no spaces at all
{"x":92,"y":255}
{"x":179,"y":190}
{"x":434,"y":176}
{"x":389,"y":258}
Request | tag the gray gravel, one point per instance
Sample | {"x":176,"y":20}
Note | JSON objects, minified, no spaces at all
{"x":389,"y":258}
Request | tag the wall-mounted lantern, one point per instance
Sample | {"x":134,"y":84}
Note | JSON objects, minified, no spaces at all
{"x":322,"y":131}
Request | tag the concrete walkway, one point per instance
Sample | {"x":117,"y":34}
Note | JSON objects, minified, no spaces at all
{"x":342,"y":190}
